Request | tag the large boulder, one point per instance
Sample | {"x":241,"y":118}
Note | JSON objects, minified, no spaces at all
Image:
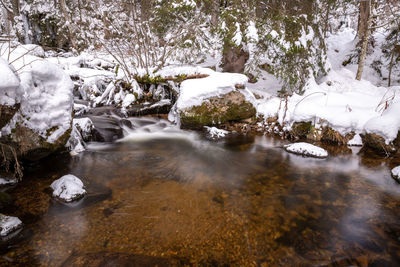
{"x":38,"y":109}
{"x":213,"y":100}
{"x":232,"y":106}
{"x":382,"y":133}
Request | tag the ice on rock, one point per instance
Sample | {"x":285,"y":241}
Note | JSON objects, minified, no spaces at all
{"x":215,"y":132}
{"x":9,"y":224}
{"x":68,"y":188}
{"x":306,"y":149}
{"x":396,"y":173}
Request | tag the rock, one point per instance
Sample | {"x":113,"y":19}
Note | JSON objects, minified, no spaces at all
{"x":379,"y":145}
{"x":106,"y":129}
{"x":68,"y":188}
{"x":306,"y":149}
{"x":217,"y":110}
{"x":7,"y":113}
{"x":161,"y":107}
{"x":9,"y":224}
{"x":396,"y":173}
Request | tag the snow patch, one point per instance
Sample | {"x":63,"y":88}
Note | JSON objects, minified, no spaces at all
{"x":355,"y":141}
{"x":306,"y":149}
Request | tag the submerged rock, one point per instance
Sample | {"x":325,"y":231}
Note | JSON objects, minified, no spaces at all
{"x":396,"y":173}
{"x":217,"y":110}
{"x":68,"y":188}
{"x":306,"y":149}
{"x":9,"y":224}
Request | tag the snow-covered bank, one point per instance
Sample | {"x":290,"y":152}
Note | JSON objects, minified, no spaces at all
{"x":339,"y":102}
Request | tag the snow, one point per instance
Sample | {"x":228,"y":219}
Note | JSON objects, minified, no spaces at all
{"x":194,"y":91}
{"x":214,"y":132}
{"x":128,"y":100}
{"x":355,"y":141}
{"x":68,"y":188}
{"x":396,"y":173}
{"x":8,"y":181}
{"x":387,"y":125}
{"x":306,"y":149}
{"x":176,"y":70}
{"x":46,"y":95}
{"x":9,"y":224}
{"x":81,"y":130}
{"x":338,"y":101}
{"x":9,"y":84}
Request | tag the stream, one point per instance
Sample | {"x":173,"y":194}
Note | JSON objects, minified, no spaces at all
{"x":167,"y":197}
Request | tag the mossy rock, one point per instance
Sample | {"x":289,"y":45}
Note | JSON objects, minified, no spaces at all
{"x":301,"y":129}
{"x":31,"y":146}
{"x":232,"y":106}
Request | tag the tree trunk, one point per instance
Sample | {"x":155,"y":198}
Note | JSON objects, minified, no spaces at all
{"x":68,"y":21}
{"x":364,"y":44}
{"x":365,"y":8}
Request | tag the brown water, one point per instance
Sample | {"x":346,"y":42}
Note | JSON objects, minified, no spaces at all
{"x":178,"y":199}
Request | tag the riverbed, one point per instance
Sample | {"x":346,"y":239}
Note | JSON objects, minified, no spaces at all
{"x":164,"y":196}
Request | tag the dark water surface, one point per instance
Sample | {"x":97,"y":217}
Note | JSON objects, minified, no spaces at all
{"x":169,"y":197}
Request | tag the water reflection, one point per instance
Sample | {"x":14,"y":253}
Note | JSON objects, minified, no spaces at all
{"x":180,"y":199}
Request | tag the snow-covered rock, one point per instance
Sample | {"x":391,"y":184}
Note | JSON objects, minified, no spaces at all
{"x":194,"y":92}
{"x":68,"y":188}
{"x":82,"y":130}
{"x":387,"y":125}
{"x":306,"y":149}
{"x":43,"y":120}
{"x":85,"y":126}
{"x":396,"y":173}
{"x":9,"y":224}
{"x":213,"y":100}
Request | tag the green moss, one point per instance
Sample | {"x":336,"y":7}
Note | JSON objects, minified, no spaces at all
{"x":301,"y":129}
{"x":207,"y":115}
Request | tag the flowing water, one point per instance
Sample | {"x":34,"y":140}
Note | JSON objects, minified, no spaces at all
{"x":163,"y":196}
